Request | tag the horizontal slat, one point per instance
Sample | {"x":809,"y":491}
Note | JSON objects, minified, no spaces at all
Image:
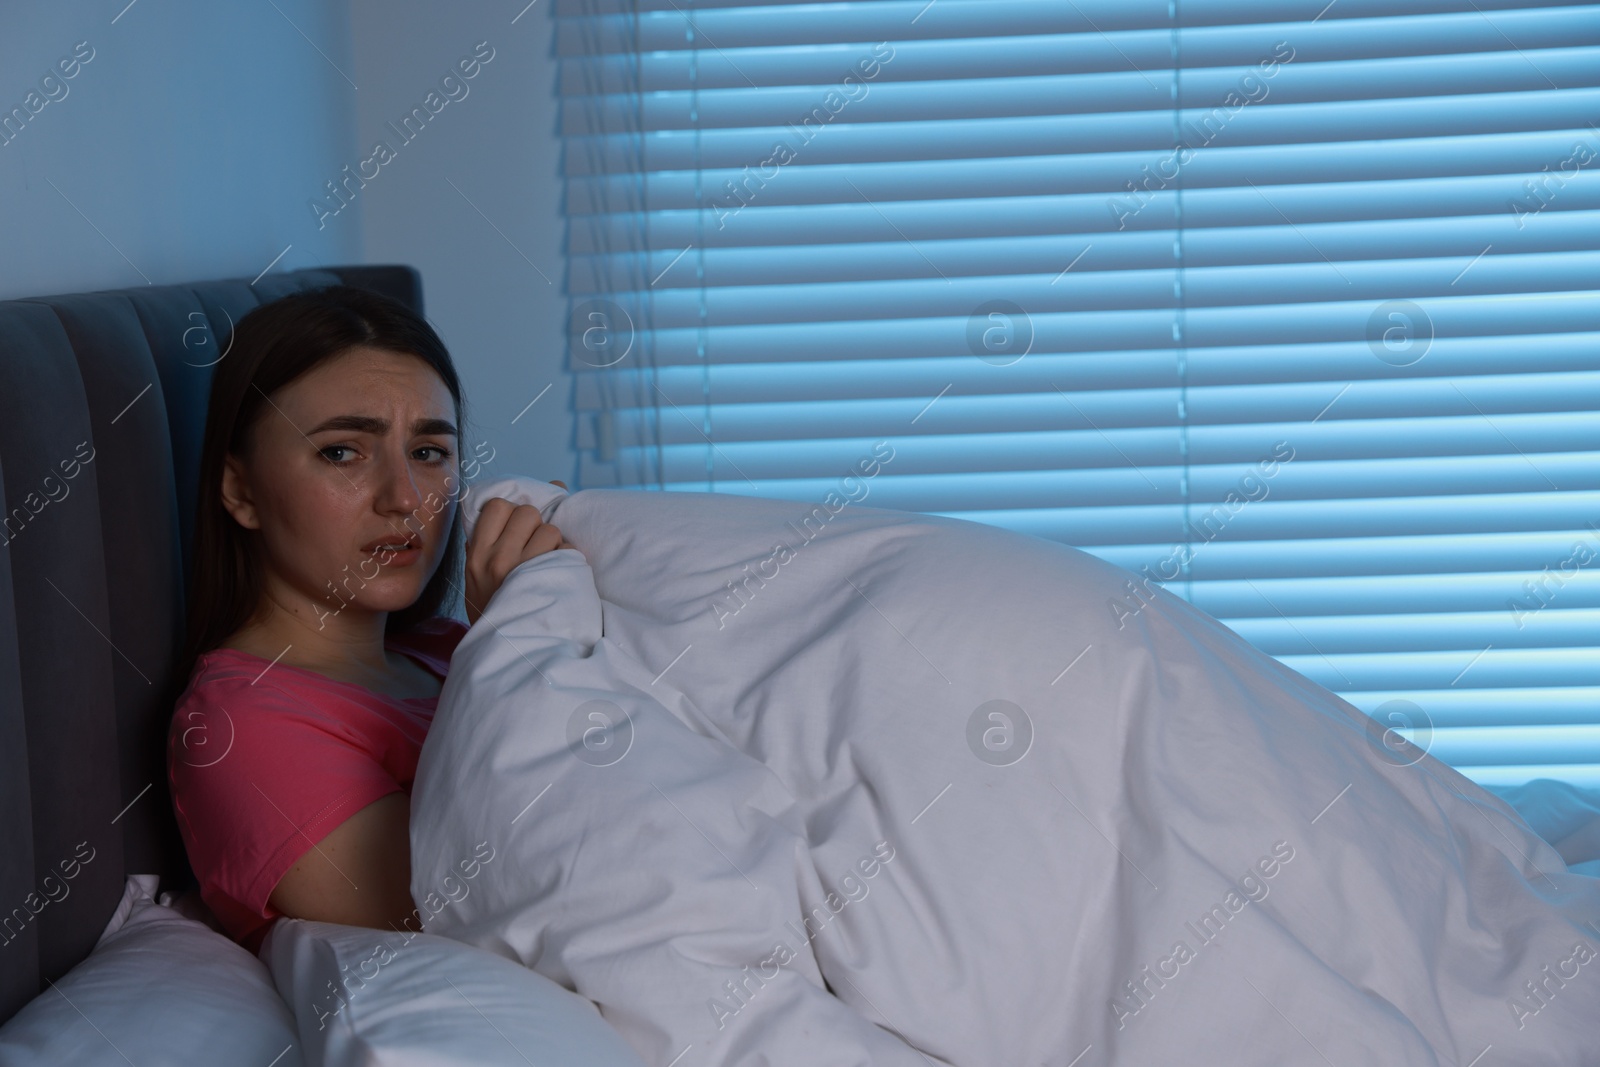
{"x":1092,"y":331}
{"x":1352,"y":460}
{"x":1138,"y":27}
{"x":1020,"y":174}
{"x":1407,"y":631}
{"x":1362,"y":556}
{"x":1276,"y":98}
{"x":1443,"y":708}
{"x":597,"y":91}
{"x":1245,"y":292}
{"x":590,"y":79}
{"x":1327,"y":41}
{"x":784,"y":228}
{"x":1218,"y":13}
{"x":1569,"y":578}
{"x":1474,"y":746}
{"x":1422,"y":417}
{"x":925,"y":378}
{"x":1584,"y":775}
{"x":1238,"y":508}
{"x":661,"y":27}
{"x":1474,"y":668}
{"x":1235,"y":246}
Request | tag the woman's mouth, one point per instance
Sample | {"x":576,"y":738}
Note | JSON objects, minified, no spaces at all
{"x":394,"y":552}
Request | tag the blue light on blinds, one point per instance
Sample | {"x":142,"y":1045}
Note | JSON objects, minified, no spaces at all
{"x":1294,"y":307}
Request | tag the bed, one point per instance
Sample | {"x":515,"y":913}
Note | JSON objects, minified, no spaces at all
{"x":666,"y":904}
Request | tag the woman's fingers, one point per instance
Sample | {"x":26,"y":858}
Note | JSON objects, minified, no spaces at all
{"x":495,"y":514}
{"x":526,"y":535}
{"x":546,"y":538}
{"x":491,"y":520}
{"x":511,"y":547}
{"x":506,"y":535}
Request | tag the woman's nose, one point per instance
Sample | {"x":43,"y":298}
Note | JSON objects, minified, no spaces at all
{"x":398,"y":491}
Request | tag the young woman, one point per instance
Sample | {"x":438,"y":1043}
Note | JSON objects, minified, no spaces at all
{"x":326,"y":548}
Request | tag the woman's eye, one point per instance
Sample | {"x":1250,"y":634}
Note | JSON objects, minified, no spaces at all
{"x":442,"y":454}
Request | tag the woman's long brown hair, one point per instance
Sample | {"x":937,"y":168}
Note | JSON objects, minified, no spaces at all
{"x":270,"y":347}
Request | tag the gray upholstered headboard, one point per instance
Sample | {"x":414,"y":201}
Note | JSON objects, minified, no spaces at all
{"x":102,"y":406}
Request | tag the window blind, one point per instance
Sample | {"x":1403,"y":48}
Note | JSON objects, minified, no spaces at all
{"x":1288,"y":307}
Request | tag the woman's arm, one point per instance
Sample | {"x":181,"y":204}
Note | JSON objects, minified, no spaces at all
{"x":359,"y":874}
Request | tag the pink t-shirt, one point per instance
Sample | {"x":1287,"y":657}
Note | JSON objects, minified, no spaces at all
{"x":264,"y":765}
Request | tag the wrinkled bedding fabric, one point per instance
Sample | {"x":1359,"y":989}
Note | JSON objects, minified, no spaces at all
{"x":775,"y":783}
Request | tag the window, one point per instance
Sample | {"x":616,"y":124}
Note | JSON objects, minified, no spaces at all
{"x":1289,"y":306}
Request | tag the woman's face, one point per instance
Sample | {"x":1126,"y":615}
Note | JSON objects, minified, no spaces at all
{"x":360,"y":451}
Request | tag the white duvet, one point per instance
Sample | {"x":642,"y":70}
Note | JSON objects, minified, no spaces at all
{"x":773,"y":783}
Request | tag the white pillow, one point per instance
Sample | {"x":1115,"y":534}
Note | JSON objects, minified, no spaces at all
{"x":159,"y":988}
{"x":139,"y":887}
{"x":379,"y":998}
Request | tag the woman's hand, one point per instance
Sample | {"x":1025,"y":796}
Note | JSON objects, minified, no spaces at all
{"x":505,"y":536}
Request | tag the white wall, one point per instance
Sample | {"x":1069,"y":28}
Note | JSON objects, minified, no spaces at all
{"x":195,"y":142}
{"x":188,"y":146}
{"x":474,"y":202}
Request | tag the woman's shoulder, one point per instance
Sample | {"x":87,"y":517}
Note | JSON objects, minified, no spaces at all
{"x":225,"y":696}
{"x":243,"y":694}
{"x":272,"y":720}
{"x":225,"y":673}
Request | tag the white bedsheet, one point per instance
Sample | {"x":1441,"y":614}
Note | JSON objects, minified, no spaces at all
{"x":1167,"y":847}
